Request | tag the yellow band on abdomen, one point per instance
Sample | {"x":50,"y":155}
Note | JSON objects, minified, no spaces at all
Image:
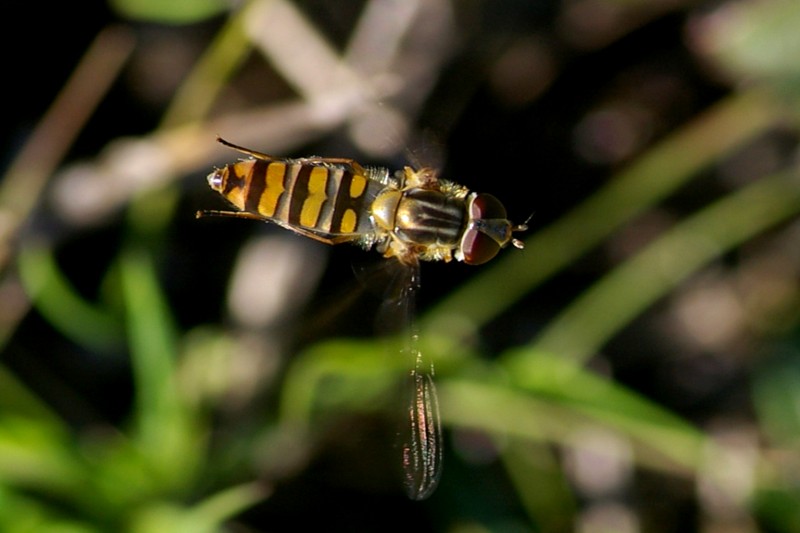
{"x":312,"y":206}
{"x":268,"y":203}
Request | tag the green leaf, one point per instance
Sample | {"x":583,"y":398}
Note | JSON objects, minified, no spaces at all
{"x":170,"y":11}
{"x":38,"y":455}
{"x":61,"y":305}
{"x":352,"y":372}
{"x":165,"y":425}
{"x":206,"y":517}
{"x":23,"y":514}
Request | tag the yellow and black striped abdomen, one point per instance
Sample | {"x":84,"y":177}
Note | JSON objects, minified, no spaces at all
{"x":310,"y":195}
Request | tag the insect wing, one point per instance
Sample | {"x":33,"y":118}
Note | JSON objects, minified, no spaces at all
{"x":421,"y":434}
{"x":422,"y":450}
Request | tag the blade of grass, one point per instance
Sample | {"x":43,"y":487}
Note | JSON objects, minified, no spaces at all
{"x":629,"y":289}
{"x":152,"y":343}
{"x":27,"y":175}
{"x":61,"y":305}
{"x":656,"y":174}
{"x":197,"y":93}
{"x":19,"y":400}
{"x":25,"y":513}
{"x":38,"y":454}
{"x":550,"y":412}
{"x":174,"y":12}
{"x":229,"y":502}
{"x":206,"y":517}
{"x":541,"y":485}
{"x":164,"y":425}
{"x":350,"y":359}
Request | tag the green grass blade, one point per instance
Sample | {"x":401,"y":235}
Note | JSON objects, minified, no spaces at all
{"x":654,"y":176}
{"x":56,"y":299}
{"x":613,"y":302}
{"x":164,"y":424}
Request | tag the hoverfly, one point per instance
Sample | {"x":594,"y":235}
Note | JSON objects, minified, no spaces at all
{"x":410,"y":216}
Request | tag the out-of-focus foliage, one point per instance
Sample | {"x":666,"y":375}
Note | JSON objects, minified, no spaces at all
{"x":753,"y":41}
{"x":171,"y":12}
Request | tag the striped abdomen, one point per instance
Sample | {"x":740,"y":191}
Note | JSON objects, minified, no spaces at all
{"x":326,"y":199}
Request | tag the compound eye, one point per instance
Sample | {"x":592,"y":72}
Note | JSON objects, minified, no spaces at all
{"x":478,"y":247}
{"x":485,"y":206}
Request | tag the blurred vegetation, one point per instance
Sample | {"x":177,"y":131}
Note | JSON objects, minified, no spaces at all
{"x":635,"y":368}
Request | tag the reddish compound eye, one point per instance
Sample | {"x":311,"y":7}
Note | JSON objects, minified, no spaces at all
{"x":478,"y":247}
{"x":485,"y":206}
{"x":487,"y":231}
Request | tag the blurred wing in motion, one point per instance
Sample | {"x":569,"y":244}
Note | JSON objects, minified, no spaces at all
{"x":422,"y":450}
{"x":421,"y":434}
